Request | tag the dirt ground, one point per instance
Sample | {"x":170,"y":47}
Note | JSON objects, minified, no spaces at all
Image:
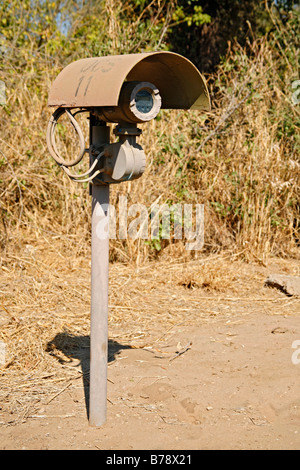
{"x":191,"y":365}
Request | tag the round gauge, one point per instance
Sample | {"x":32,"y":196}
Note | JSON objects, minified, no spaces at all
{"x":144,"y":101}
{"x":138,"y":102}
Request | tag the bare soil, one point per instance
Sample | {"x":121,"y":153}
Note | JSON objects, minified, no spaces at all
{"x":191,"y":366}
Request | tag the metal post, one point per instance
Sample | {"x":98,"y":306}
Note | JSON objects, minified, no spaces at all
{"x":99,"y":134}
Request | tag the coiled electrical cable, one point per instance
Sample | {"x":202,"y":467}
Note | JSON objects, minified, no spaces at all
{"x":86,"y":180}
{"x":78,"y":177}
{"x":50,"y":137}
{"x":51,"y":143}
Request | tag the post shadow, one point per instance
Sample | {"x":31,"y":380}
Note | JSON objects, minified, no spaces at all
{"x":78,"y":347}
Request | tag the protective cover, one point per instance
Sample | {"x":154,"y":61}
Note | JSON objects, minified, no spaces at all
{"x":97,"y":81}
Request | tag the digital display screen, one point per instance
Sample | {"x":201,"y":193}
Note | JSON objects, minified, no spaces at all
{"x":144,"y":101}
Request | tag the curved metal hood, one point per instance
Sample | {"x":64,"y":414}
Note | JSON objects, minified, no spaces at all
{"x":97,"y":81}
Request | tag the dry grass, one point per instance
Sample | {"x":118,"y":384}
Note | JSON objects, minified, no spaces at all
{"x":232,"y":160}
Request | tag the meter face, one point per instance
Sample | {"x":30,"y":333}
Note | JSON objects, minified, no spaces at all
{"x":144,"y":101}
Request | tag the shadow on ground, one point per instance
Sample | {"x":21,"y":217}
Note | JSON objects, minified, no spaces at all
{"x":66,"y":347}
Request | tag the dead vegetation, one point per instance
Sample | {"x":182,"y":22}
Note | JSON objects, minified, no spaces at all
{"x":241,"y":161}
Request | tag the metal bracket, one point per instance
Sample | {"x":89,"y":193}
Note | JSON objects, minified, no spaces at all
{"x":122,"y":161}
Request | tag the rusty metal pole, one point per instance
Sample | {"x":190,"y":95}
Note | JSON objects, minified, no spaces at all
{"x":99,"y":135}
